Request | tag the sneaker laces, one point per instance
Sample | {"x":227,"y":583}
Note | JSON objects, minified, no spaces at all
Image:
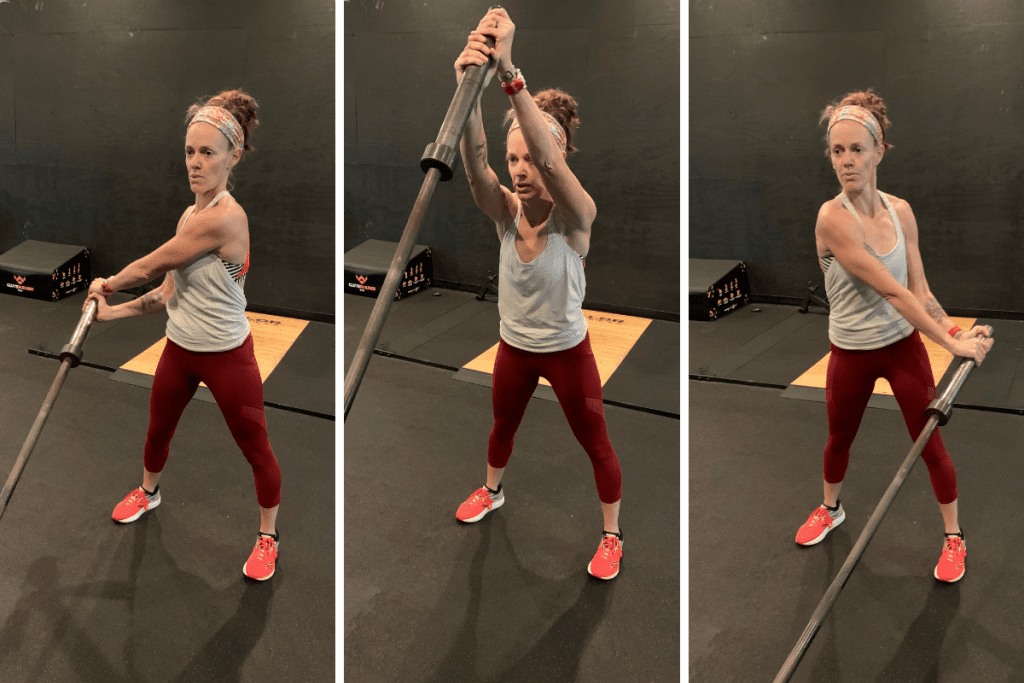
{"x":608,"y":545}
{"x":263,"y":546}
{"x":484,"y":497}
{"x":952,"y":546}
{"x":137,"y":496}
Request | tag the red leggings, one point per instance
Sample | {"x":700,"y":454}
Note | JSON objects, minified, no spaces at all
{"x":577,"y":384}
{"x":234,"y":379}
{"x":851,"y":378}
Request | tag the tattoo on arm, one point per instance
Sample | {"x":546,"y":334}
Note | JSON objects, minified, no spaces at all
{"x":934,"y":310}
{"x":151,"y":301}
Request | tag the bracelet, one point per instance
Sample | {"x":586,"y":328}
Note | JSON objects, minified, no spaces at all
{"x":512,"y":82}
{"x":953,"y":330}
{"x":105,"y":287}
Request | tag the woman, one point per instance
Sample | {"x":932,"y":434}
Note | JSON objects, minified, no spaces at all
{"x":208,"y":339}
{"x":544,"y":229}
{"x":880,"y":304}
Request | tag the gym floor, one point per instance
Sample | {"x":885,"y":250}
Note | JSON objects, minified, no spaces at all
{"x":508,"y":598}
{"x":755,"y":460}
{"x":161,"y":599}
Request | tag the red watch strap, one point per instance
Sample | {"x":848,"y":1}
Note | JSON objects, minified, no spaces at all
{"x":953,"y":330}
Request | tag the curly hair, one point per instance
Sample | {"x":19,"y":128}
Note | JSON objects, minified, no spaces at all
{"x":866,"y":99}
{"x":561,"y":106}
{"x":240,"y":104}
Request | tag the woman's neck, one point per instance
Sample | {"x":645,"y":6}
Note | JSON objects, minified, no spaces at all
{"x":537,"y":211}
{"x":867,"y":200}
{"x":203,"y":199}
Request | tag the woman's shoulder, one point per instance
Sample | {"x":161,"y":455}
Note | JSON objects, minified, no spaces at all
{"x":510,"y":214}
{"x":227,"y":212}
{"x":561,"y":222}
{"x":898,"y":205}
{"x":833,"y":210}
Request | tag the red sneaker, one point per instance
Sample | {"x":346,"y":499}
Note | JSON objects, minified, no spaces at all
{"x":134,"y":505}
{"x":479,"y":504}
{"x":263,"y":561}
{"x":952,"y":563}
{"x":817,"y":526}
{"x":605,"y":564}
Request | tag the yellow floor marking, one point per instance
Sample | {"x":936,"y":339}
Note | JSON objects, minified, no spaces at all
{"x":272,"y":336}
{"x":937,"y":356}
{"x":611,"y":337}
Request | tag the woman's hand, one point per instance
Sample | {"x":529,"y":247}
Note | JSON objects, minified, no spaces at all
{"x":974,"y":348}
{"x":102,"y":309}
{"x":476,"y":53}
{"x":96,"y":289}
{"x":497,"y":26}
{"x":978,"y":331}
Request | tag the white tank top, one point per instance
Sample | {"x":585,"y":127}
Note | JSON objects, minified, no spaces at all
{"x":860,"y":318}
{"x":207,"y":311}
{"x":541,"y":302}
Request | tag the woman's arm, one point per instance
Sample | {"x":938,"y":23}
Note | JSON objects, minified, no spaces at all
{"x":151,"y":302}
{"x":575,"y":205}
{"x":203,"y":233}
{"x":844,"y":238}
{"x":489,"y":195}
{"x":916,"y":280}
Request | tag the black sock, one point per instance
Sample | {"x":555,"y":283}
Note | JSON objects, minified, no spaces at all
{"x":616,"y":535}
{"x":153,"y":492}
{"x":832,"y":509}
{"x":494,"y":492}
{"x":959,"y":534}
{"x":273,"y":535}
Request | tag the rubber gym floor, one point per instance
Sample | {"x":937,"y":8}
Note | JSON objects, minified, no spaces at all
{"x":755,"y":462}
{"x":508,"y":598}
{"x":163,"y":598}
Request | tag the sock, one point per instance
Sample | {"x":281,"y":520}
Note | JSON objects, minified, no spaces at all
{"x":151,"y":495}
{"x":618,"y":535}
{"x":959,"y":534}
{"x":273,"y":535}
{"x":833,"y":511}
{"x":494,"y":492}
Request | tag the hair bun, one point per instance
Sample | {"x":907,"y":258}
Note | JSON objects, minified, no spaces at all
{"x":866,"y":99}
{"x":562,"y":107}
{"x":240,"y":104}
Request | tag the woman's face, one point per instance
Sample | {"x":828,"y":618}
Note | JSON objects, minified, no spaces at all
{"x":526,"y":179}
{"x":207,"y":158}
{"x":854,"y":154}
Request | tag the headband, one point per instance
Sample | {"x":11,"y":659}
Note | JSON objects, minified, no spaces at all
{"x":861,"y":115}
{"x":225,"y":123}
{"x":553,"y":125}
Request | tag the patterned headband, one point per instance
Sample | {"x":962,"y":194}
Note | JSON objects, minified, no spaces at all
{"x":861,"y":115}
{"x":553,"y":125}
{"x":225,"y":123}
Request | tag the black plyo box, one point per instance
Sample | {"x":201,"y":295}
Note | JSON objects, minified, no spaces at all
{"x":366,"y":268}
{"x":44,"y":270}
{"x":717,"y":287}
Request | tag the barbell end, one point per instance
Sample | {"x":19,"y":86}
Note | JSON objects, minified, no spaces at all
{"x":441,"y":157}
{"x":940,"y":409}
{"x":73,"y":349}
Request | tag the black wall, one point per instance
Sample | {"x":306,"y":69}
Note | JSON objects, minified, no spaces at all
{"x":618,"y":58}
{"x":92,"y":106}
{"x":952,"y":75}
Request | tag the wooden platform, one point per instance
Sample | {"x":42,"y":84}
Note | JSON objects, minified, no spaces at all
{"x":612,"y":336}
{"x":272,"y":336}
{"x":937,"y":356}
